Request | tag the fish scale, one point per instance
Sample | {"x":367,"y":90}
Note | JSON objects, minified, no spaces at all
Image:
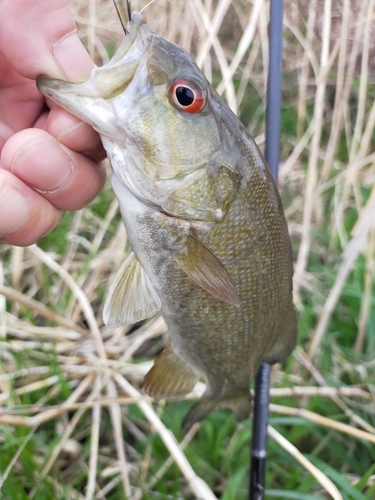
{"x":210,"y":244}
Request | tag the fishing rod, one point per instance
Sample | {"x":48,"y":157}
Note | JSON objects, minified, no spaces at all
{"x":273,"y":111}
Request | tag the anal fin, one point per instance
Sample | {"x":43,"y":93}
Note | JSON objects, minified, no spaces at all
{"x":131,"y":297}
{"x":203,"y":267}
{"x":170,"y":377}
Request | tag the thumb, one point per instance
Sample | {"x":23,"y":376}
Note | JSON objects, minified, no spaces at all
{"x":40,"y":37}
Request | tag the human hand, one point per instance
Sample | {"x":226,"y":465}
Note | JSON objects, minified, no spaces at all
{"x":48,"y":161}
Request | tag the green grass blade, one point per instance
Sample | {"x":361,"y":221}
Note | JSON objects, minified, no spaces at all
{"x":281,"y":494}
{"x":361,"y":485}
{"x":341,"y":482}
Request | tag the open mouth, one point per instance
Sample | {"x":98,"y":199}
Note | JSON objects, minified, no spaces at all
{"x":90,"y":100}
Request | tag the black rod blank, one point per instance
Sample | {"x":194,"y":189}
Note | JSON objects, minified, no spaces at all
{"x":259,"y":440}
{"x":273,"y":111}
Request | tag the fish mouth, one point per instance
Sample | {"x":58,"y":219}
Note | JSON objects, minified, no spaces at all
{"x":91,"y":100}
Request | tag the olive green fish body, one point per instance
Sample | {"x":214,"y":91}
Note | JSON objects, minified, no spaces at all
{"x":225,"y":343}
{"x":210,"y":245}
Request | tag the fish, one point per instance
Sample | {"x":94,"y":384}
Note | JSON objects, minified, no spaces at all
{"x":209,"y":241}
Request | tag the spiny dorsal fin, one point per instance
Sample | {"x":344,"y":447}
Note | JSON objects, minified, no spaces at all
{"x":131,"y":297}
{"x":170,"y":377}
{"x":203,"y":267}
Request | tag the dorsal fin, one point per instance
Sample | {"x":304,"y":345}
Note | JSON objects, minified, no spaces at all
{"x":203,"y":267}
{"x":131,"y":297}
{"x":170,"y":377}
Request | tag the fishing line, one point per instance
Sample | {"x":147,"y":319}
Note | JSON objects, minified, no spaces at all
{"x":169,"y":1}
{"x":126,"y":31}
{"x":129,"y":11}
{"x":145,"y":7}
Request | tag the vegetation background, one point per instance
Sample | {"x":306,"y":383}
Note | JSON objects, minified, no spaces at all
{"x":73,"y":424}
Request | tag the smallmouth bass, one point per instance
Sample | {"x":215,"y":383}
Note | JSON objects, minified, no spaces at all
{"x":210,"y":244}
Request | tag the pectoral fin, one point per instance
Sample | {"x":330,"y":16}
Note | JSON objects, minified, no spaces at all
{"x":131,"y":297}
{"x":170,"y":377}
{"x":203,"y":267}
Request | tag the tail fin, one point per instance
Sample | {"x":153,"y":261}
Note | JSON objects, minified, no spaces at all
{"x":237,"y":400}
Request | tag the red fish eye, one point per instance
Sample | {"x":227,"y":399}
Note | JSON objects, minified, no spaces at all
{"x":187,"y":96}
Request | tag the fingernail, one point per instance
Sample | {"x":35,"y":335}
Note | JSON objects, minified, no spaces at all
{"x":15,"y":210}
{"x":78,"y":134}
{"x":73,"y":58}
{"x":71,"y":130}
{"x":43,"y":165}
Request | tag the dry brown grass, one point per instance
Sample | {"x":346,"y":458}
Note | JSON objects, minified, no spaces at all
{"x":51,"y":302}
